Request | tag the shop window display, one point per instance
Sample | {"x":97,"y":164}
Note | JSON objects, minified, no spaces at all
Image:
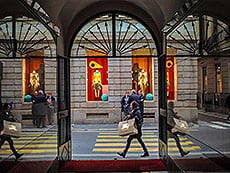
{"x":170,"y":78}
{"x":97,"y":76}
{"x":33,"y":75}
{"x":142,"y":71}
{"x":116,"y":36}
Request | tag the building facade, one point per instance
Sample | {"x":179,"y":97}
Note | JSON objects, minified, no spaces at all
{"x":191,"y":82}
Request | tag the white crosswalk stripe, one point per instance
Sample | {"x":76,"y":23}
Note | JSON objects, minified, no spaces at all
{"x":34,"y":145}
{"x":221,"y":123}
{"x":215,"y":124}
{"x":108,"y":143}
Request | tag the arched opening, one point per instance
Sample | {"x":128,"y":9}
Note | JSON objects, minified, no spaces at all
{"x":111,"y":54}
{"x":28,"y":64}
{"x":200,"y":46}
{"x":179,"y":75}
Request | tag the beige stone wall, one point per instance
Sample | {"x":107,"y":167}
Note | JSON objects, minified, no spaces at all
{"x":12,"y":80}
{"x":187,"y":88}
{"x":12,"y":84}
{"x":119,"y":81}
{"x":119,"y":76}
{"x":210,"y":62}
{"x":188,"y":84}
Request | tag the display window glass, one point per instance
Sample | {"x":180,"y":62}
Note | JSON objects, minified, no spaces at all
{"x":170,"y":71}
{"x":142,"y":71}
{"x":33,"y":73}
{"x":115,"y":39}
{"x":97,"y":76}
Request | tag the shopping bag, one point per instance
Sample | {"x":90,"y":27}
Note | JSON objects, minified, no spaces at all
{"x":181,"y":126}
{"x":12,"y":129}
{"x":127,"y":127}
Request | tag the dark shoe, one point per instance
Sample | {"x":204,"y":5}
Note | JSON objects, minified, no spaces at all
{"x":184,"y":153}
{"x":121,"y":154}
{"x":145,"y":155}
{"x":18,"y":156}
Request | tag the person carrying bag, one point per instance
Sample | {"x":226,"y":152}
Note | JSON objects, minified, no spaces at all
{"x":127,"y":127}
{"x":138,"y":118}
{"x":8,"y":129}
{"x":180,"y":126}
{"x":176,"y":126}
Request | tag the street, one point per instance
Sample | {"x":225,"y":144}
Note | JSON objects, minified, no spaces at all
{"x":101,"y":141}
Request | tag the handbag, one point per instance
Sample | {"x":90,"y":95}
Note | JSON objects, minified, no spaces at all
{"x":181,"y":126}
{"x":12,"y":129}
{"x":127,"y":127}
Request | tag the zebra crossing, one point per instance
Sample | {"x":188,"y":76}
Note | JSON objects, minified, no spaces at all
{"x":215,"y":124}
{"x":109,"y":142}
{"x":34,"y":144}
{"x":41,"y":144}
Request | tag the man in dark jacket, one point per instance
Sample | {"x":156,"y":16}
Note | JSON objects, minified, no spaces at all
{"x":39,"y":108}
{"x":136,"y":114}
{"x":134,"y":95}
{"x":34,"y":101}
{"x":141,"y":99}
{"x":7,"y":115}
{"x":125,"y":102}
{"x":51,"y":109}
{"x":227,"y":105}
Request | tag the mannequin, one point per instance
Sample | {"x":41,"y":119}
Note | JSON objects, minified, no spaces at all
{"x":34,"y":80}
{"x":142,"y":80}
{"x":135,"y":71}
{"x":97,"y":85}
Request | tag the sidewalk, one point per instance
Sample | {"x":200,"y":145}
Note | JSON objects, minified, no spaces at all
{"x":213,"y":114}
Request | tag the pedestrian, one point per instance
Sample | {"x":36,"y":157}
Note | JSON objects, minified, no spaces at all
{"x":141,"y":99}
{"x":33,"y":99}
{"x":134,"y":95}
{"x":51,"y":109}
{"x":170,"y":124}
{"x":227,"y":105}
{"x":125,"y":104}
{"x":40,"y":109}
{"x":136,"y":114}
{"x":7,"y":115}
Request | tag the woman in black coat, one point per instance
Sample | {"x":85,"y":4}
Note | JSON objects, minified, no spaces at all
{"x":136,"y":114}
{"x":7,"y":115}
{"x":170,"y":124}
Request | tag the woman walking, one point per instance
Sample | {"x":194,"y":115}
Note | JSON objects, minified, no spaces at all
{"x":136,"y":114}
{"x":7,"y":115}
{"x":171,"y":124}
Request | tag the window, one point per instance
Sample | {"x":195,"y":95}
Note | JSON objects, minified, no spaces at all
{"x":218,"y":79}
{"x":170,"y":71}
{"x":205,"y":85}
{"x":33,"y":75}
{"x":112,"y":40}
{"x":142,"y":71}
{"x":97,"y":76}
{"x":32,"y":42}
{"x":205,"y":79}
